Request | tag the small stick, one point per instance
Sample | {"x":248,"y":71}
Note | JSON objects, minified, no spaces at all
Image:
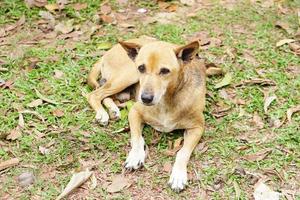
{"x":9,"y":163}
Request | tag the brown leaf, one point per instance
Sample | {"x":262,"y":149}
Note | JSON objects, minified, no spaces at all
{"x":295,"y":46}
{"x":257,"y":120}
{"x":167,"y":167}
{"x":259,"y":81}
{"x":9,"y":163}
{"x":188,"y":2}
{"x":285,"y":26}
{"x":107,"y":19}
{"x":177,"y":143}
{"x":58,"y":74}
{"x":33,"y":113}
{"x":202,"y":147}
{"x":170,"y":7}
{"x":284,"y":41}
{"x":36,"y":3}
{"x":6,"y":84}
{"x":4,"y":31}
{"x":14,"y":134}
{"x":21,"y":122}
{"x":263,"y":192}
{"x":79,"y":6}
{"x":291,"y":111}
{"x":35,"y":103}
{"x":64,"y":27}
{"x":119,"y":182}
{"x":105,"y":9}
{"x":44,"y":98}
{"x":268,"y":101}
{"x":52,"y":7}
{"x":57,"y":113}
{"x":76,"y":180}
{"x":258,"y":156}
{"x":44,"y":150}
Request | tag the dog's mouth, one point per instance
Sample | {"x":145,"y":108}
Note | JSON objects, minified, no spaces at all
{"x":148,"y":104}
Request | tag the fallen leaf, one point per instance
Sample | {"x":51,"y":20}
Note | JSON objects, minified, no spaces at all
{"x":258,"y":156}
{"x":52,"y":7}
{"x":33,"y":113}
{"x":263,"y":192}
{"x":35,"y":103}
{"x":118,"y":183}
{"x":64,"y":27}
{"x":14,"y":134}
{"x":188,"y":2}
{"x":284,"y":41}
{"x":36,"y":3}
{"x":295,"y":46}
{"x":202,"y":147}
{"x":26,"y":179}
{"x":177,"y":143}
{"x":93,"y":184}
{"x":21,"y":122}
{"x":9,"y":163}
{"x":167,"y":167}
{"x":47,"y":16}
{"x":284,"y":26}
{"x":107,"y":19}
{"x":225,"y":81}
{"x":291,"y":111}
{"x":58,"y":74}
{"x":44,"y":150}
{"x":257,"y":120}
{"x":256,"y":81}
{"x":105,"y":9}
{"x":57,"y":113}
{"x":79,"y":6}
{"x":268,"y":101}
{"x":76,"y":180}
{"x":44,"y":98}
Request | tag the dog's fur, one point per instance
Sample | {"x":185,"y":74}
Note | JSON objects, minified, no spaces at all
{"x":170,"y":95}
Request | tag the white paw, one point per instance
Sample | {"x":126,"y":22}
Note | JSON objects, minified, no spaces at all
{"x":115,"y":114}
{"x":102,"y":117}
{"x":135,"y":159}
{"x":178,"y":179}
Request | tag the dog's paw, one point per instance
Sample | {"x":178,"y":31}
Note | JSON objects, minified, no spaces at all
{"x":178,"y":179}
{"x":115,"y":114}
{"x":135,"y":159}
{"x":102,"y":118}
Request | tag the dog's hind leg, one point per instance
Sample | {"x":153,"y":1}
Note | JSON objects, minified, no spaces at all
{"x":114,"y":112}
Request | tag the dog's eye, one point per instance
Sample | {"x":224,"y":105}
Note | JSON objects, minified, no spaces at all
{"x":164,"y":71}
{"x":142,"y":68}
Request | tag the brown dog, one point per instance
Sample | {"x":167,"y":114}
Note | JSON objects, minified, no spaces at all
{"x":171,"y":95}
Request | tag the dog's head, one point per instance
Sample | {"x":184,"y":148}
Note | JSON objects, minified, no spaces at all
{"x":159,"y":66}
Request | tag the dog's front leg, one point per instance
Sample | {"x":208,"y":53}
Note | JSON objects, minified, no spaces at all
{"x":178,"y":178}
{"x":137,"y":154}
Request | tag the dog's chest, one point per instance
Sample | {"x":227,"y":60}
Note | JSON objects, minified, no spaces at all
{"x":162,"y":122}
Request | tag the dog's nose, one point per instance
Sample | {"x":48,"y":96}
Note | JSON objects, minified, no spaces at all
{"x":147,"y":98}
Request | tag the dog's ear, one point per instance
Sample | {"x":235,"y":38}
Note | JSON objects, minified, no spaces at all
{"x":187,"y":52}
{"x":132,"y":49}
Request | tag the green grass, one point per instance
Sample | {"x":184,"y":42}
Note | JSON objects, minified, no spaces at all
{"x":75,"y":136}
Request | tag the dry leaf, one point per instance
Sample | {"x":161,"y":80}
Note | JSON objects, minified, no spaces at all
{"x":14,"y":134}
{"x":79,"y":6}
{"x":167,"y":167}
{"x":118,"y":183}
{"x":64,"y":27}
{"x":33,"y":113}
{"x":58,"y":74}
{"x":291,"y":111}
{"x":258,"y":156}
{"x":52,"y":7}
{"x":93,"y":184}
{"x":44,"y":150}
{"x":35,"y":103}
{"x":284,"y":41}
{"x":257,"y":120}
{"x":44,"y":98}
{"x":262,"y":82}
{"x":57,"y":113}
{"x":237,"y":190}
{"x":268,"y":101}
{"x":107,"y":19}
{"x":188,"y":2}
{"x":105,"y":9}
{"x":36,"y":3}
{"x":9,"y":163}
{"x":76,"y":180}
{"x":263,"y":192}
{"x":202,"y":147}
{"x":21,"y":122}
{"x":284,"y":26}
{"x":177,"y":143}
{"x":225,"y":81}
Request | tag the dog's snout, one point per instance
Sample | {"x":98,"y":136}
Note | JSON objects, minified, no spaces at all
{"x":147,"y":98}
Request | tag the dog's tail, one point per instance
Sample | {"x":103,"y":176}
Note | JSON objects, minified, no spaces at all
{"x":94,"y":75}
